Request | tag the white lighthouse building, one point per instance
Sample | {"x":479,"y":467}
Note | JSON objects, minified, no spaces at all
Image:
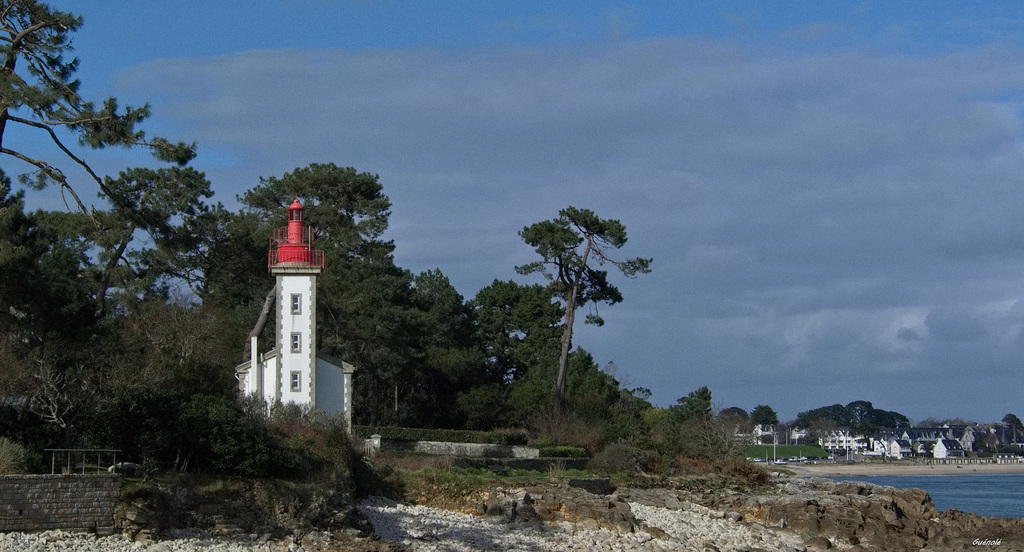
{"x":294,"y":372}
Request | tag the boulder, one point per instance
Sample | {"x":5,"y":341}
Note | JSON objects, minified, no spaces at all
{"x":818,"y":543}
{"x":565,"y":505}
{"x":595,"y":485}
{"x":128,"y":468}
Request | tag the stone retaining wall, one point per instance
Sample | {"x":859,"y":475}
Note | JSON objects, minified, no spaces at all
{"x":73,"y":502}
{"x":535,"y":464}
{"x":460,"y":449}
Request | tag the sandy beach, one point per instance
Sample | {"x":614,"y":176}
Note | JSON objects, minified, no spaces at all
{"x":898,"y":468}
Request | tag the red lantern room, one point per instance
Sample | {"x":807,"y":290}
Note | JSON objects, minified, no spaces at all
{"x":293,"y":244}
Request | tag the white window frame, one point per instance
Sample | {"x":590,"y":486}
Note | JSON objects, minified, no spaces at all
{"x":296,"y":303}
{"x":296,"y":381}
{"x":296,"y":342}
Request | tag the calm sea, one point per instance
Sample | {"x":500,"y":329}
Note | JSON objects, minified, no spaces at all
{"x":999,"y":495}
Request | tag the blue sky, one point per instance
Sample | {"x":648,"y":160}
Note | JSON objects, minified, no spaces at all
{"x":831,"y":191}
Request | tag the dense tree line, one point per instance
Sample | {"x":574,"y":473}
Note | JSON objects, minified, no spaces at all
{"x":859,"y":416}
{"x":121,"y":321}
{"x":144,"y":362}
{"x":123,"y":318}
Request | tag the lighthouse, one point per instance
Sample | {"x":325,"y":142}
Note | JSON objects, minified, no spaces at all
{"x":294,"y":371}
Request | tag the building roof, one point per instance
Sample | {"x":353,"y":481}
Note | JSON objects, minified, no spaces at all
{"x":336,"y":362}
{"x":951,"y":444}
{"x":333,"y":361}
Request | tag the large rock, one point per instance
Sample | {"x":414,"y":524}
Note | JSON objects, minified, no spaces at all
{"x":557,"y":504}
{"x":594,"y":485}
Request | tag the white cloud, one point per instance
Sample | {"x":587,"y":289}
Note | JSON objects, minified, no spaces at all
{"x":803,"y":208}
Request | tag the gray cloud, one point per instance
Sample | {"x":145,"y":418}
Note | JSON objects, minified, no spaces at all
{"x":945,"y":325}
{"x":826,"y":226}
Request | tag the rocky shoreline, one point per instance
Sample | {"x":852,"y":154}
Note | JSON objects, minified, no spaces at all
{"x":792,"y":515}
{"x":796,"y":514}
{"x":691,"y":527}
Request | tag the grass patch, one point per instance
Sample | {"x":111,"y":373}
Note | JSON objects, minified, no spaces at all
{"x":443,"y":488}
{"x":434,"y":481}
{"x":784,"y":451}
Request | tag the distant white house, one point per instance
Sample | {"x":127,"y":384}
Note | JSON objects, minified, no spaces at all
{"x":294,"y":371}
{"x":763,"y":433}
{"x":768,"y":433}
{"x":900,"y":448}
{"x":948,"y":448}
{"x":843,"y":439}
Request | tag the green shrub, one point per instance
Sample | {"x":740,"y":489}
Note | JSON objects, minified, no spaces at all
{"x":507,"y":437}
{"x":310,"y":444}
{"x":216,"y":433}
{"x":563,"y":452}
{"x":20,"y":426}
{"x":13,"y":457}
{"x":141,"y":423}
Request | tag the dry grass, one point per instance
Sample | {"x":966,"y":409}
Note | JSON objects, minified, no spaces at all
{"x":571,"y":432}
{"x":13,"y":457}
{"x":693,"y":466}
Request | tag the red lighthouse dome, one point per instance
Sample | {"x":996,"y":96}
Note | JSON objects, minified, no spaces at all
{"x":293,"y":244}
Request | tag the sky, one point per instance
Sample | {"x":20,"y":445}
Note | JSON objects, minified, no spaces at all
{"x":831,"y":191}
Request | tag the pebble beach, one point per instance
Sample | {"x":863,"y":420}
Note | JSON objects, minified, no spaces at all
{"x":690,"y":528}
{"x":419,"y":528}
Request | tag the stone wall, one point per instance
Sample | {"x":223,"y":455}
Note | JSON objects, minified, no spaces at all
{"x":459,"y":449}
{"x":74,"y":502}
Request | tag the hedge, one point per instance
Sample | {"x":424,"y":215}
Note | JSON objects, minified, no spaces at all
{"x":563,"y":452}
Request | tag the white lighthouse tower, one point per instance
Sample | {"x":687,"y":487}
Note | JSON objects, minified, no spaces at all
{"x":294,"y":372}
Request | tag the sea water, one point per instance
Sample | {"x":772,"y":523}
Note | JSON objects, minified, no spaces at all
{"x":997,"y":495}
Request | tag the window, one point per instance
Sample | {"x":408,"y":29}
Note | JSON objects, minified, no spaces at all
{"x":296,"y":343}
{"x":296,"y":303}
{"x":296,"y":381}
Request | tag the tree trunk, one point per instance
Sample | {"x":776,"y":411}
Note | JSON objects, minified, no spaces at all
{"x":563,"y":359}
{"x":260,"y":322}
{"x":570,"y":318}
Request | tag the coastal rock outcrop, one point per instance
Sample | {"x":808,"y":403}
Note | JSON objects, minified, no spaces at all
{"x":556,"y":504}
{"x":262,"y":507}
{"x":789,"y":513}
{"x":861,"y":514}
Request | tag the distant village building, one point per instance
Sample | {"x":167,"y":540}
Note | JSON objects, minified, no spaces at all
{"x":900,"y":449}
{"x":948,"y":441}
{"x":766,"y":434}
{"x":948,"y":448}
{"x":843,"y":440}
{"x":294,"y":371}
{"x":938,"y":442}
{"x":1005,"y":436}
